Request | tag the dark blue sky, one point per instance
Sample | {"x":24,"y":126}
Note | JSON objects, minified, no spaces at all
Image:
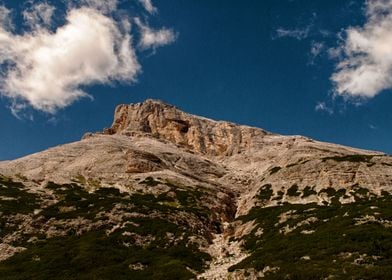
{"x":229,"y":63}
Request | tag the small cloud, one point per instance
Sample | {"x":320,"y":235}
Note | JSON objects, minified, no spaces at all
{"x":298,"y":34}
{"x":322,"y":107}
{"x":334,"y":53}
{"x":5,"y":18}
{"x":148,"y":6}
{"x":365,"y":55}
{"x":326,"y":33}
{"x":39,"y":15}
{"x":150,"y":38}
{"x":105,"y":6}
{"x":373,"y":127}
{"x":316,"y":49}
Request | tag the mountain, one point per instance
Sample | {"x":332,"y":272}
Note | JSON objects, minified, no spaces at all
{"x":163,"y":194}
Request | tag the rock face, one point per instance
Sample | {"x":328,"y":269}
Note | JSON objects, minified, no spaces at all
{"x":208,"y":173}
{"x":198,"y":134}
{"x":153,"y":137}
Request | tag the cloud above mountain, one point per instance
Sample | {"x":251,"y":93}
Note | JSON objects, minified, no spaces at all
{"x":365,"y":55}
{"x":47,"y":66}
{"x":150,"y":38}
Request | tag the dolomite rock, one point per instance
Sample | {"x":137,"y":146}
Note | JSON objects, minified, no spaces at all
{"x":235,"y":163}
{"x":198,"y":134}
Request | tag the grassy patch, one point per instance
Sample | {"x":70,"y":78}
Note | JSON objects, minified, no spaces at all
{"x":338,"y":246}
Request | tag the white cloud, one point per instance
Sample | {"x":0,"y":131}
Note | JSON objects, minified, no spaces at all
{"x":150,"y":38}
{"x":39,"y":15}
{"x":147,"y":4}
{"x":46,"y":67}
{"x":5,"y":19}
{"x":365,"y":66}
{"x":105,"y":6}
{"x":316,"y":49}
{"x":299,"y":33}
{"x":322,"y":107}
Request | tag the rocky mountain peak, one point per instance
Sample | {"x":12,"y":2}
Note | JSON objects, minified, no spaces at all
{"x":176,"y":196}
{"x":166,"y":122}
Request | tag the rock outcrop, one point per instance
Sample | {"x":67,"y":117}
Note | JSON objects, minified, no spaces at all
{"x":198,"y":134}
{"x":154,"y":137}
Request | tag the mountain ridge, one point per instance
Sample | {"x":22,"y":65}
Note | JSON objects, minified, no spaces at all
{"x":210,"y":175}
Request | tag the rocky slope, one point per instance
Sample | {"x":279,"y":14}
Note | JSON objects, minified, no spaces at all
{"x":187,"y":197}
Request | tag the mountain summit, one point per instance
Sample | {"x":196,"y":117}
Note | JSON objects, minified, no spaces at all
{"x":163,"y":121}
{"x":169,"y":194}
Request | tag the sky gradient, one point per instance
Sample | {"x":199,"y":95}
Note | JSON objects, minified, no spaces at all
{"x":261,"y":63}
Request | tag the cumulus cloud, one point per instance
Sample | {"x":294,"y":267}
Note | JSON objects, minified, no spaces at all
{"x":147,"y":4}
{"x":47,"y":67}
{"x":151,"y":38}
{"x":365,"y":65}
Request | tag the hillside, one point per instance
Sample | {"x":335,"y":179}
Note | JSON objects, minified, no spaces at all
{"x":163,"y":194}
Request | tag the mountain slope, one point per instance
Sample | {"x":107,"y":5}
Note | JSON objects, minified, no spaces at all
{"x":186,"y":194}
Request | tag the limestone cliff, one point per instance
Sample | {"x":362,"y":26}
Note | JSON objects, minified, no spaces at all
{"x":198,"y":134}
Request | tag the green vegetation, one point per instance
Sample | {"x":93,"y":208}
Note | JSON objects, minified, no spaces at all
{"x":149,"y":181}
{"x":351,"y":158}
{"x":95,"y":255}
{"x":297,"y":163}
{"x":293,"y":191}
{"x":329,"y":191}
{"x":280,"y":196}
{"x":14,"y":199}
{"x":88,"y":205}
{"x":335,"y":195}
{"x":275,"y":169}
{"x":265,"y":192}
{"x":338,"y":245}
{"x":340,"y":241}
{"x":151,"y":244}
{"x":81,"y":180}
{"x":308,"y":191}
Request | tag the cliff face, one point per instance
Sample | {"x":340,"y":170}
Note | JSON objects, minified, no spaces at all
{"x":201,"y":135}
{"x":208,"y":184}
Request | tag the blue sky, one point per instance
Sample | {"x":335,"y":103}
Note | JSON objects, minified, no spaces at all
{"x":261,"y":63}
